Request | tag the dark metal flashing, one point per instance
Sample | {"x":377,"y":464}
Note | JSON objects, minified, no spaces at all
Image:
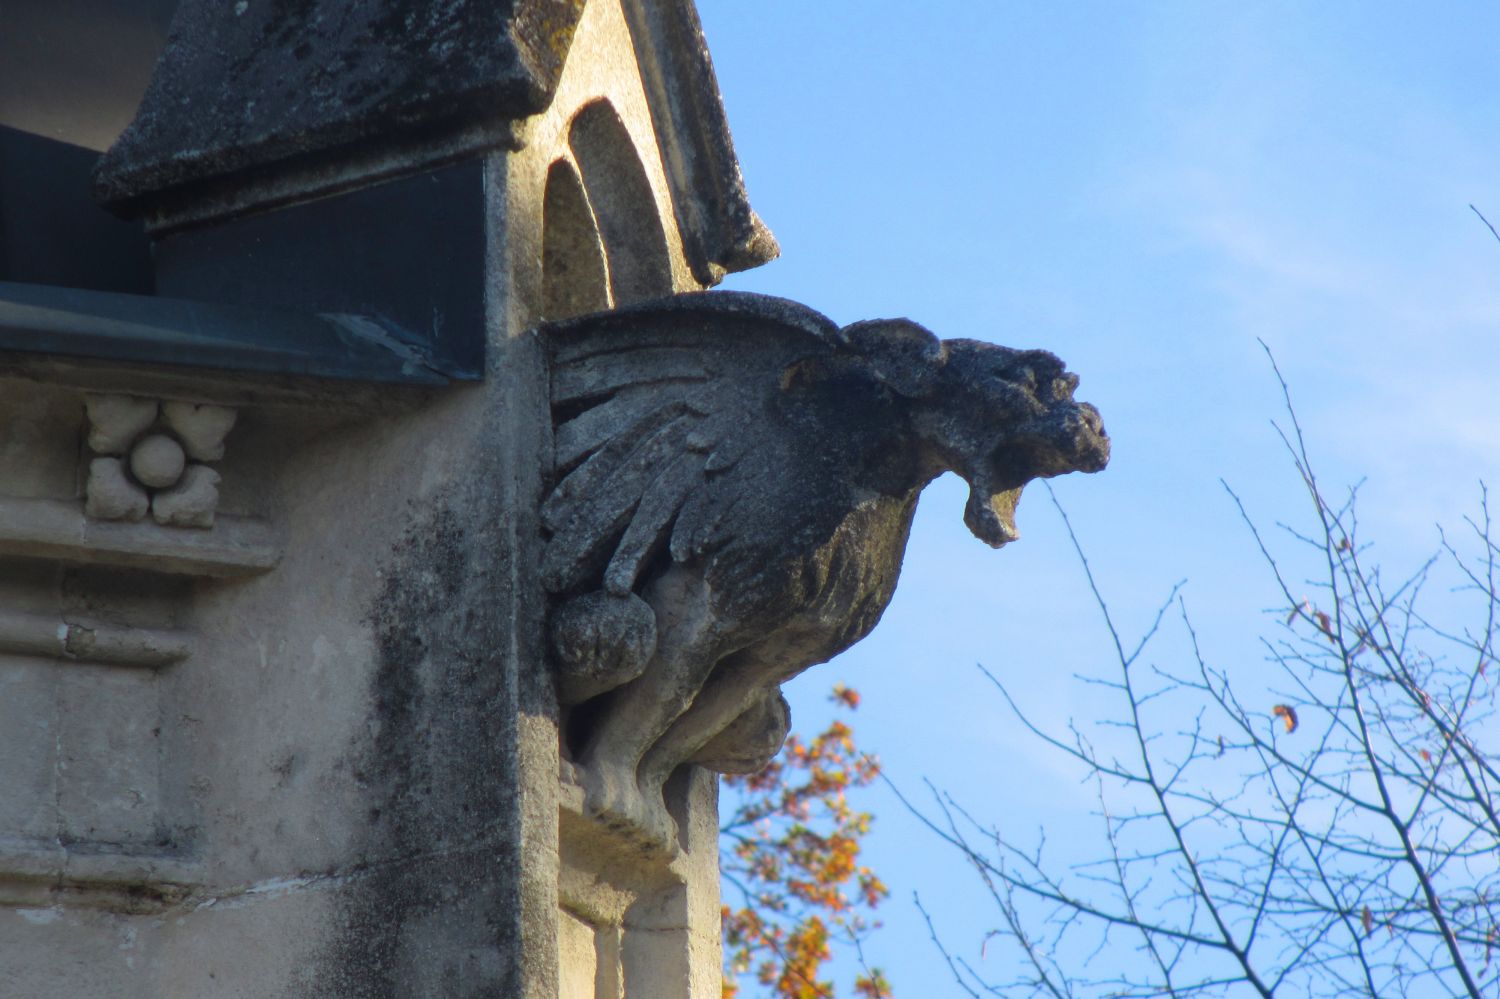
{"x":409,"y":253}
{"x":142,"y":329}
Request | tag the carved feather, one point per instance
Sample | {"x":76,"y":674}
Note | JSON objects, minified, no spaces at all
{"x":596,"y":377}
{"x":582,"y":344}
{"x":698,"y":529}
{"x":593,"y":428}
{"x":587,"y":479}
{"x":653,"y":403}
{"x":593,"y":518}
{"x":647,"y":534}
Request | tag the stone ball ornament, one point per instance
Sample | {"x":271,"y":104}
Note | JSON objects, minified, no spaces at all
{"x":157,"y":461}
{"x":734,"y":480}
{"x":151,"y":458}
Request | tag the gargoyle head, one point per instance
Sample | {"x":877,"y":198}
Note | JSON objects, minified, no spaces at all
{"x":996,"y":416}
{"x":1002,"y":417}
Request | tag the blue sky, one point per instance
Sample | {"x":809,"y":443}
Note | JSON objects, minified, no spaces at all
{"x":1145,"y":190}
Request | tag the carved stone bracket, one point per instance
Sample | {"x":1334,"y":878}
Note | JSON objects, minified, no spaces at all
{"x":734,"y":482}
{"x":153,"y":456}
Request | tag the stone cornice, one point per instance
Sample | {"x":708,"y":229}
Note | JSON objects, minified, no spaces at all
{"x":59,"y":530}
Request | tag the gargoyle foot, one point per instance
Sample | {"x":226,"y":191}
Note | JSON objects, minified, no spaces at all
{"x":617,"y":801}
{"x":600,"y":642}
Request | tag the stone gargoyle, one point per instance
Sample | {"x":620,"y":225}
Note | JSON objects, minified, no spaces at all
{"x":734,"y":482}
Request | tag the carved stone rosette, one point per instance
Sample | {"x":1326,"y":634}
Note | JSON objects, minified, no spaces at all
{"x":154,"y":456}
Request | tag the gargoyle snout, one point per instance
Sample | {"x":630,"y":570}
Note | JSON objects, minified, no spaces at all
{"x":1066,"y":437}
{"x":1070,"y":438}
{"x":1007,"y":417}
{"x":1091,"y":442}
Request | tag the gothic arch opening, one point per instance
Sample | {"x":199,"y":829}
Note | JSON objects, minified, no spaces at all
{"x":574,"y":280}
{"x":635,"y":246}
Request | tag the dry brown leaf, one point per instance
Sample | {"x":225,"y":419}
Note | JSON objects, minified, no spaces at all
{"x":1287,"y":714}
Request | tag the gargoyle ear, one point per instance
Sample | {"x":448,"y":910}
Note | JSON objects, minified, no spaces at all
{"x":898,"y":352}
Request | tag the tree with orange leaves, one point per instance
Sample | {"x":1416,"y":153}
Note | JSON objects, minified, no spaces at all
{"x":790,"y":853}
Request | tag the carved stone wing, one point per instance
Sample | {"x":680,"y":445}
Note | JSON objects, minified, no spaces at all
{"x":651,"y":405}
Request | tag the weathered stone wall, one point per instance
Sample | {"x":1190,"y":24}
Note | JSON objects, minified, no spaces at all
{"x":330,"y":777}
{"x":335,"y":769}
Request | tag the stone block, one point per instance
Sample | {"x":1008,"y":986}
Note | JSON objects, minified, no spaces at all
{"x":51,"y":952}
{"x":204,"y":951}
{"x":38,"y":440}
{"x":577,"y":958}
{"x":28,"y":749}
{"x":110,"y":761}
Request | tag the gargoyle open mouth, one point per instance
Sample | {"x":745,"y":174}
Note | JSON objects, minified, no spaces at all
{"x":1071,"y":441}
{"x":991,"y":516}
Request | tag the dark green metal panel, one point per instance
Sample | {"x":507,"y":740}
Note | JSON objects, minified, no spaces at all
{"x":95,"y":325}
